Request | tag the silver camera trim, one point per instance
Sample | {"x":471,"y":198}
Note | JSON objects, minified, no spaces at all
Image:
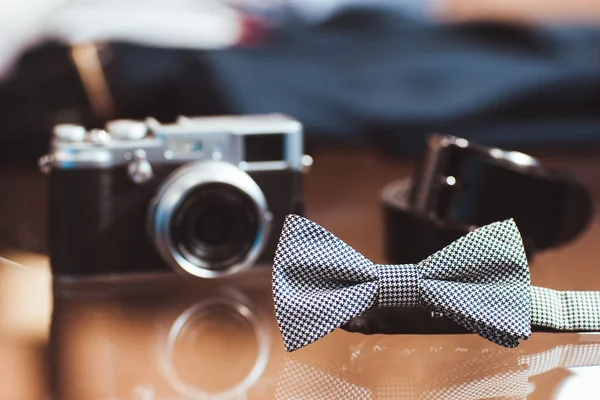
{"x":174,"y":190}
{"x":222,"y":138}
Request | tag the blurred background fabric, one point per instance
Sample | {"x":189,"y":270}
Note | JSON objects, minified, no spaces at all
{"x":377,"y":73}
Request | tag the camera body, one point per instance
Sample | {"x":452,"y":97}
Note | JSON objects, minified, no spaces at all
{"x":202,"y":196}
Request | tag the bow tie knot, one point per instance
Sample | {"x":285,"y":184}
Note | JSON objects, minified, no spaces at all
{"x":398,"y":286}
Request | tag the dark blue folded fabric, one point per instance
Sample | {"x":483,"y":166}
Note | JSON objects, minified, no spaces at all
{"x":365,"y":76}
{"x":386,"y":80}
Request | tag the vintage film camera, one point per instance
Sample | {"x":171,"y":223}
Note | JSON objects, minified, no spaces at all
{"x":202,"y":196}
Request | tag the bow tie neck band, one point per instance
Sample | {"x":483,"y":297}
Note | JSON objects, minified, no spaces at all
{"x":481,"y":282}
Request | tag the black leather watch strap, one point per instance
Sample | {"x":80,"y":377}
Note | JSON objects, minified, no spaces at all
{"x":461,"y":186}
{"x":411,"y":236}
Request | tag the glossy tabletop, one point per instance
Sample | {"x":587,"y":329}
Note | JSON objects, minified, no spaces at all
{"x":171,"y":338}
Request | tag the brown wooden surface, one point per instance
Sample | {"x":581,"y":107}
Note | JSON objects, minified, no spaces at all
{"x":106,"y":346}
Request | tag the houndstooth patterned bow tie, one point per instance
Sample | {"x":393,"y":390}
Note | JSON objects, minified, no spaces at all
{"x":481,"y":281}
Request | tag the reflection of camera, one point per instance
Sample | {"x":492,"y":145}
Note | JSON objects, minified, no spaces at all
{"x":200,"y":196}
{"x":225,"y":333}
{"x":161,"y":338}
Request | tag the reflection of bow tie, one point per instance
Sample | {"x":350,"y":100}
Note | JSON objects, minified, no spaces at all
{"x":481,"y":281}
{"x":494,"y":374}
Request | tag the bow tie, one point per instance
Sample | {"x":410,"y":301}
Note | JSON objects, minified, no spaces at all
{"x":481,"y":282}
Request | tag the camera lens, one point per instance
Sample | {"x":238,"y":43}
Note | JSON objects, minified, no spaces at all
{"x":216,"y":224}
{"x":212,"y":226}
{"x":209,"y":219}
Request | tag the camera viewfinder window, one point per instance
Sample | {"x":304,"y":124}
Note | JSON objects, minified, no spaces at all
{"x":184,"y":147}
{"x":264,"y":147}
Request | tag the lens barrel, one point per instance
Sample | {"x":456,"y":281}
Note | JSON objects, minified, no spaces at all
{"x":209,"y":219}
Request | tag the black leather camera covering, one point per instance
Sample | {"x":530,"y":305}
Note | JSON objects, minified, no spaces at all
{"x":98,"y":218}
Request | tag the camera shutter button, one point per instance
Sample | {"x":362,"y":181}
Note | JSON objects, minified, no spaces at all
{"x":126,"y":129}
{"x":69,"y":132}
{"x":139,"y":169}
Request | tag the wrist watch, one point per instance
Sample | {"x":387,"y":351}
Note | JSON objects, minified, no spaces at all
{"x":460,"y":186}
